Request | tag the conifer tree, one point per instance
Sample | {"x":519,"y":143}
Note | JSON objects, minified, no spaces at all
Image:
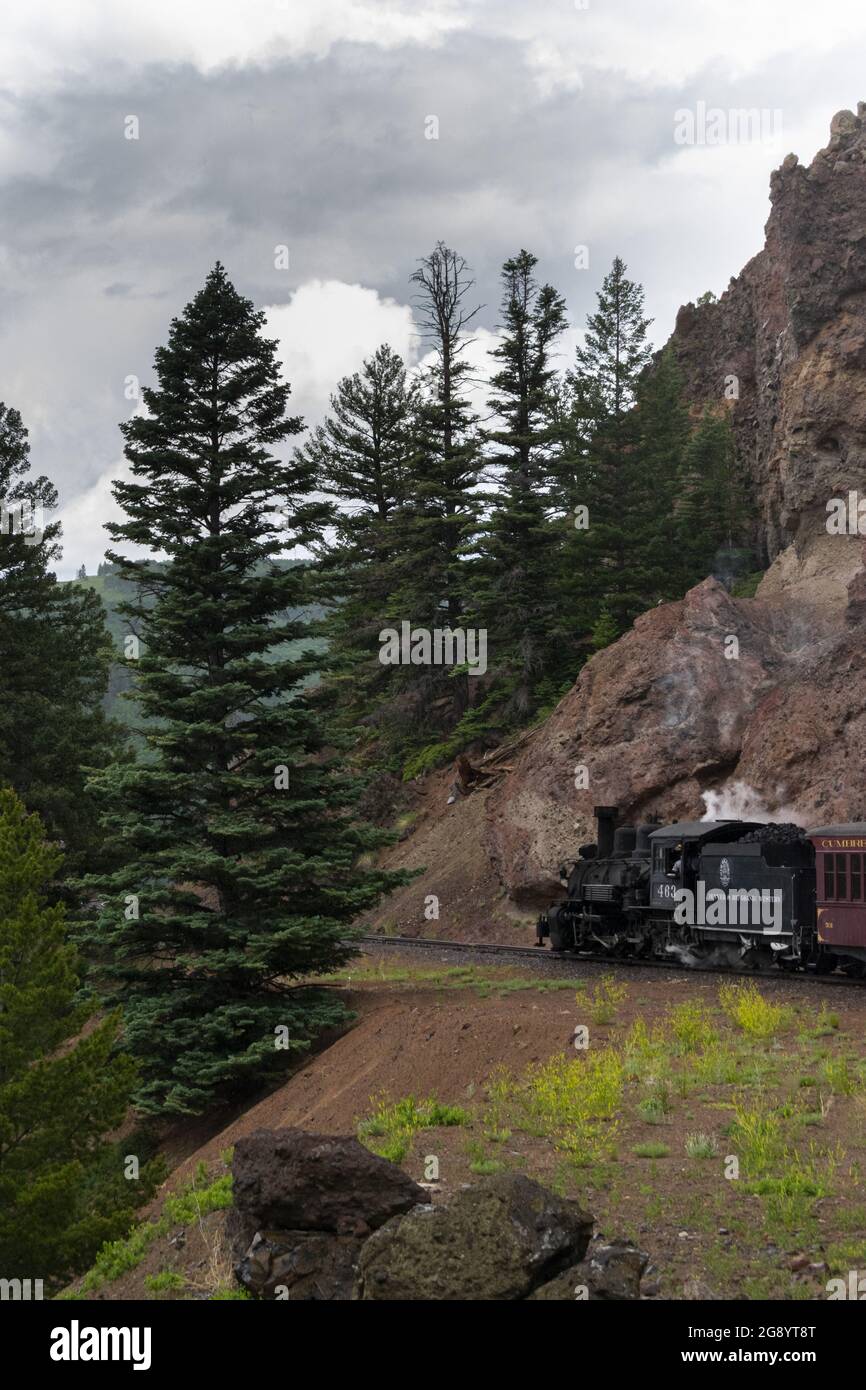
{"x":55,"y":655}
{"x":651,"y":486}
{"x":714,"y":509}
{"x":513,"y":577}
{"x":240,"y":871}
{"x":360,"y":459}
{"x":62,"y":1187}
{"x":604,"y":381}
{"x":440,"y":505}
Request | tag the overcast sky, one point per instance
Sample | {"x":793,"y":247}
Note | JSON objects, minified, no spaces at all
{"x":305,"y":123}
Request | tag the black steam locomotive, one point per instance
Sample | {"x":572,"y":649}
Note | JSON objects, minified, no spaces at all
{"x":735,"y":892}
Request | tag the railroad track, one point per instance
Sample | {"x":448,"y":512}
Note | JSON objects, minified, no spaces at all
{"x":570,"y":964}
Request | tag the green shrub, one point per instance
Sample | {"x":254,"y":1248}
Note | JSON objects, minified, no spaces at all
{"x":691,"y":1026}
{"x":389,"y":1129}
{"x":651,"y":1150}
{"x":164,"y":1281}
{"x":701,"y":1146}
{"x":755,"y":1015}
{"x":605,"y":1000}
{"x":200,"y":1197}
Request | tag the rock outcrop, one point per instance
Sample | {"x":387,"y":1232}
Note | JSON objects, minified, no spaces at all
{"x":611,"y":1273}
{"x":499,"y":1239}
{"x":290,"y":1179}
{"x":300,"y":1265}
{"x":505,"y":1237}
{"x":674,"y":710}
{"x":303,"y":1205}
{"x":677,"y":708}
{"x":789,"y":336}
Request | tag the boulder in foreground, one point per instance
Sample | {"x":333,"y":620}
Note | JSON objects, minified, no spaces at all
{"x":497,"y":1240}
{"x":289,"y":1180}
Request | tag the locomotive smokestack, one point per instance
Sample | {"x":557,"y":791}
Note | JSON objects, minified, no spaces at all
{"x":606,"y":819}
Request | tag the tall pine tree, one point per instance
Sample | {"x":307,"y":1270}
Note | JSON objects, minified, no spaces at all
{"x":440,"y":508}
{"x":604,"y":383}
{"x":55,"y":654}
{"x":513,"y":577}
{"x":62,"y":1187}
{"x":360,"y":456}
{"x":651,"y":488}
{"x":240,"y":871}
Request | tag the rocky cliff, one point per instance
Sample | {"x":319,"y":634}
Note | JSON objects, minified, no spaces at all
{"x":767,"y":696}
{"x":786,"y":346}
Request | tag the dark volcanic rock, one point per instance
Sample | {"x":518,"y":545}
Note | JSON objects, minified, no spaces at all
{"x":296,"y":1265}
{"x":497,"y":1240}
{"x":612,"y":1272}
{"x":289,"y":1180}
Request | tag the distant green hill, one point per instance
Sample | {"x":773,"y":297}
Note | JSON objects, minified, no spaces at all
{"x":113,"y":590}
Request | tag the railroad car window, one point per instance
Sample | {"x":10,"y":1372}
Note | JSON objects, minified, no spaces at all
{"x":829,"y":877}
{"x":841,"y":876}
{"x":856,"y":878}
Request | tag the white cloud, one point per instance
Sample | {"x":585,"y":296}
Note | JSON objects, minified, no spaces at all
{"x":666,"y":42}
{"x":46,"y":42}
{"x":83,"y":520}
{"x":326,"y":331}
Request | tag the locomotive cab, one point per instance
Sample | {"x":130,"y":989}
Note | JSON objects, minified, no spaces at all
{"x":676,"y":855}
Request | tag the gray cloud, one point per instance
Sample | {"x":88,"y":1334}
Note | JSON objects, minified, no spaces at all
{"x":102,"y":239}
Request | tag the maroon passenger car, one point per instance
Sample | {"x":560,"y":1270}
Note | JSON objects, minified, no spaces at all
{"x":840,"y":888}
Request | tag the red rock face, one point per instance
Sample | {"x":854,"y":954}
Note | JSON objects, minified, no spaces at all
{"x":664,"y":715}
{"x":673,"y":709}
{"x":791,"y":328}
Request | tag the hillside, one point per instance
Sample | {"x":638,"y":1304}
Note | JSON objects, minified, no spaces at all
{"x":114,"y":591}
{"x":712,"y":695}
{"x":680,"y":1067}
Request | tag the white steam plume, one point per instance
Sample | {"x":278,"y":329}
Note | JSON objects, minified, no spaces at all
{"x":739,"y":801}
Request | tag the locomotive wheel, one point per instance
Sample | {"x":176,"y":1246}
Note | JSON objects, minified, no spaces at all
{"x":558,"y":941}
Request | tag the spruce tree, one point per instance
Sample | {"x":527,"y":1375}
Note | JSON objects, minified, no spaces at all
{"x":513,"y":577}
{"x":713,"y":510}
{"x":55,"y":656}
{"x":240,"y":873}
{"x":651,"y":484}
{"x":62,"y":1187}
{"x":604,"y":383}
{"x":360,"y":459}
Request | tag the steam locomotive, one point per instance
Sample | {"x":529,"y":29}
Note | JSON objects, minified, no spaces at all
{"x":734,"y":892}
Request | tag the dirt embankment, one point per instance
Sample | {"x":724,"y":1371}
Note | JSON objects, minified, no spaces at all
{"x":459,"y":894}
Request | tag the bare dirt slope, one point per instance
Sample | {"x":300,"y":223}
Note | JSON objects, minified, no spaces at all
{"x":448,"y":844}
{"x":421,"y":1040}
